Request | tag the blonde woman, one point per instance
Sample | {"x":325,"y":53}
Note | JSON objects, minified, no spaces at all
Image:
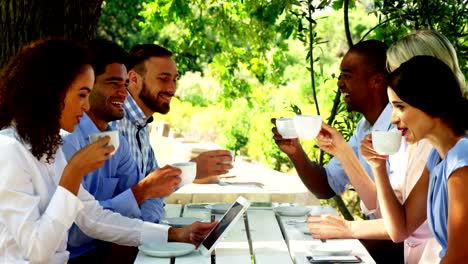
{"x":430,"y":43}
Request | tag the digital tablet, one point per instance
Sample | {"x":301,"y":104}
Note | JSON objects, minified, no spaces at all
{"x":227,"y":221}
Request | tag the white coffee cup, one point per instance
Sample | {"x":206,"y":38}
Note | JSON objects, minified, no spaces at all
{"x":189,"y":171}
{"x":114,"y":138}
{"x":232,"y":153}
{"x":386,"y":142}
{"x":286,"y":128}
{"x":307,"y":126}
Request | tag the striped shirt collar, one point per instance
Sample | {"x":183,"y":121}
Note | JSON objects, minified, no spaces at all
{"x":135,"y":114}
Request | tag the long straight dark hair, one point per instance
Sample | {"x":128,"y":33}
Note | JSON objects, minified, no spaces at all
{"x":428,"y":84}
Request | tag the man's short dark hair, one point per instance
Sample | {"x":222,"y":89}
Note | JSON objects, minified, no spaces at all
{"x":374,"y":53}
{"x":105,"y":53}
{"x":140,"y":53}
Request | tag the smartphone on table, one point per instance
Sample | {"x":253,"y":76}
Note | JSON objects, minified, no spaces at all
{"x":333,"y":259}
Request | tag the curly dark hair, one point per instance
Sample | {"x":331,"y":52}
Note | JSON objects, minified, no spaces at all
{"x":33,"y":86}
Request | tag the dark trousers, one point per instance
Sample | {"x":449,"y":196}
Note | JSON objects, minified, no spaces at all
{"x":109,"y":254}
{"x":384,"y":251}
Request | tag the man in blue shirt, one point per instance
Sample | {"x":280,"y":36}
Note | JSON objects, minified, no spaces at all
{"x":362,"y":84}
{"x":118,"y":185}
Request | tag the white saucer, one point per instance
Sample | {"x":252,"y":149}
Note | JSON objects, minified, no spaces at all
{"x":219,"y":208}
{"x":330,"y":248}
{"x":167,"y":250}
{"x":179,"y":222}
{"x":291,"y":210}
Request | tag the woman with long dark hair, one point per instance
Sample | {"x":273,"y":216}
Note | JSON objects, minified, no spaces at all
{"x":428,"y":104}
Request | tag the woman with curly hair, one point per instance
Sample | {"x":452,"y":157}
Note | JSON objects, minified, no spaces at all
{"x":43,"y":89}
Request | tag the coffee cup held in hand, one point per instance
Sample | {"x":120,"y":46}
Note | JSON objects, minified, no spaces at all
{"x":307,"y":126}
{"x":386,"y":142}
{"x":286,"y":128}
{"x":114,"y":138}
{"x":189,"y":171}
{"x":232,"y":153}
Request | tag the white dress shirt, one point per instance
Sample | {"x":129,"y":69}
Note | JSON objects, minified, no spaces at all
{"x":36,"y":213}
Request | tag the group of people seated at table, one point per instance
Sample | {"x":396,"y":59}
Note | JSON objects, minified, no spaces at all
{"x":417,"y":87}
{"x":57,"y":188}
{"x":66,"y":199}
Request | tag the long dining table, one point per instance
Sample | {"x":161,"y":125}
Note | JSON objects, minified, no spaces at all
{"x":260,"y":237}
{"x":251,"y":180}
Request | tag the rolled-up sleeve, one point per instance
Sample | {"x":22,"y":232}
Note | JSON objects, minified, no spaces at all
{"x":337,"y":177}
{"x":152,"y":210}
{"x":124,"y":203}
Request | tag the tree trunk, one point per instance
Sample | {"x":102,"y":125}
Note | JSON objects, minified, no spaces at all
{"x":23,"y":21}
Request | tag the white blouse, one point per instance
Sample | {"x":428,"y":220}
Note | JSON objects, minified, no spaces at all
{"x":36,"y":213}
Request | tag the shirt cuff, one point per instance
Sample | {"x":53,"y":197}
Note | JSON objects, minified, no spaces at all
{"x":336,"y":186}
{"x":154,"y":233}
{"x":126,"y":204}
{"x":64,"y":206}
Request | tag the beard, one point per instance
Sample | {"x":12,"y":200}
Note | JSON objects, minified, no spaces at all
{"x":151,"y":101}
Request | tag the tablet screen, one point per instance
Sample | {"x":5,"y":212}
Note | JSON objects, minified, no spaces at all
{"x":219,"y":229}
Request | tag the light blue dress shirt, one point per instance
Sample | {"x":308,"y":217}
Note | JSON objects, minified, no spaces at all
{"x":437,"y":196}
{"x":337,"y":178}
{"x":110,"y":185}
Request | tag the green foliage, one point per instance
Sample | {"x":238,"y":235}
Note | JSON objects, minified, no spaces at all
{"x":120,"y":22}
{"x":346,"y":121}
{"x":234,"y":126}
{"x":198,"y":90}
{"x":449,"y":17}
{"x":295,"y":109}
{"x":223,"y":36}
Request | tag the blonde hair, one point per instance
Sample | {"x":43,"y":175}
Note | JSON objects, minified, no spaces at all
{"x":430,"y":43}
